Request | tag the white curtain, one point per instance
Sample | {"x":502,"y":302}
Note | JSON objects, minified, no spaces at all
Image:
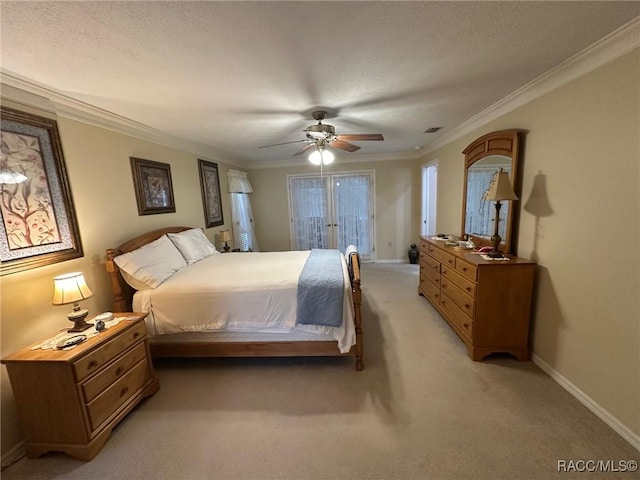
{"x":244,"y":236}
{"x":309,"y":212}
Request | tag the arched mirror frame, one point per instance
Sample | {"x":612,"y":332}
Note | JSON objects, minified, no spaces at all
{"x":505,"y":143}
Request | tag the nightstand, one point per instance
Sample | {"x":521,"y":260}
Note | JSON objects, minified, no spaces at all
{"x":70,"y":400}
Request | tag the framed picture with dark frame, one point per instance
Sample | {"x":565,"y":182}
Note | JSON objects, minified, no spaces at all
{"x":39,"y":225}
{"x":153,"y":186}
{"x":211,"y":196}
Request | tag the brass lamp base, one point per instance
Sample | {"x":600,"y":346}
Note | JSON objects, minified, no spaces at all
{"x":77,"y":317}
{"x":495,"y":253}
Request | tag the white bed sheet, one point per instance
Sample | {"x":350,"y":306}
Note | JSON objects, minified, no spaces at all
{"x":239,"y":292}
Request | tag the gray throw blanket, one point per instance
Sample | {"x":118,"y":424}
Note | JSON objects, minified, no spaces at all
{"x":321,"y":289}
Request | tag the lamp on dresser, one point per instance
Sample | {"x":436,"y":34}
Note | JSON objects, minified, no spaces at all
{"x":72,"y":288}
{"x":499,"y":190}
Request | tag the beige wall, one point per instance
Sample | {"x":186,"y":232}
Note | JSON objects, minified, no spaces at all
{"x":583,"y":142}
{"x":99,"y":173}
{"x":397,"y":196}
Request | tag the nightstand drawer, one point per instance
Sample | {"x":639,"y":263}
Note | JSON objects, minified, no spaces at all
{"x":118,"y":393}
{"x":106,"y":377}
{"x":101,"y":356}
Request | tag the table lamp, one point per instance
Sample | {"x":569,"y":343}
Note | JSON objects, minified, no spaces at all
{"x":499,"y":189}
{"x":225,"y":236}
{"x":71,"y":288}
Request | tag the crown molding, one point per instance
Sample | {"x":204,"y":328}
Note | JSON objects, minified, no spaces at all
{"x":33,"y":94}
{"x":617,"y":43}
{"x":302,"y":161}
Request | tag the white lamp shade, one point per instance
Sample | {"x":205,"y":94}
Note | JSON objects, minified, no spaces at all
{"x":70,"y":288}
{"x":500,"y":188}
{"x":321,"y":156}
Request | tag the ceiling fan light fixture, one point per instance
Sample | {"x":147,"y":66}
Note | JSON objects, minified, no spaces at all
{"x":321,"y":156}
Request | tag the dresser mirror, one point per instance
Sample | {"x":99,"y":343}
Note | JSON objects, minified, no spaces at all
{"x":483,"y":158}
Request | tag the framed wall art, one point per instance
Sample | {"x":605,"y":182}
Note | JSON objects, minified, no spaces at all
{"x":152,"y":183}
{"x":39,"y":225}
{"x":211,"y":197}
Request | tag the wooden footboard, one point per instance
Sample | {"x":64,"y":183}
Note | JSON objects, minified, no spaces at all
{"x":123,"y":297}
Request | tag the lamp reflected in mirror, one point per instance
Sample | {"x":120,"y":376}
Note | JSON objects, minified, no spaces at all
{"x":499,"y":190}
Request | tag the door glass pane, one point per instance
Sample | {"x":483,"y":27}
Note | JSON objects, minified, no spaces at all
{"x":353,"y":212}
{"x":309,"y":211}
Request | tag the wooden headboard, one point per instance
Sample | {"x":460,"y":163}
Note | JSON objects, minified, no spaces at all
{"x":122,"y":291}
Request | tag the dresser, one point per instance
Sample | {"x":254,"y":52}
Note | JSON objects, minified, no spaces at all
{"x":486,"y":302}
{"x":70,"y":400}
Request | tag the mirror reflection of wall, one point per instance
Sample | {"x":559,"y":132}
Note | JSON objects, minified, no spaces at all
{"x":480,"y":215}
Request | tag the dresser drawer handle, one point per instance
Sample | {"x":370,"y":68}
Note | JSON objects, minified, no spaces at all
{"x":119,"y":370}
{"x":466,"y":325}
{"x":467,"y":306}
{"x":468,"y":289}
{"x":136,"y":335}
{"x":450,"y":262}
{"x":92,"y":364}
{"x":124,"y":391}
{"x":464,"y":269}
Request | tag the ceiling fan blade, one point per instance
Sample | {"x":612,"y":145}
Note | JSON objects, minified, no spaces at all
{"x":361,"y":136}
{"x":284,"y":143}
{"x":304,"y":149}
{"x":349,"y":147}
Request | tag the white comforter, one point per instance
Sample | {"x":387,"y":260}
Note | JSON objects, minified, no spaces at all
{"x":238,"y":292}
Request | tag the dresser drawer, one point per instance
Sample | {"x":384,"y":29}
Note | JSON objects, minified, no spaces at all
{"x":442,"y":256}
{"x":457,"y":316}
{"x":464,"y":301}
{"x":432,"y":272}
{"x":466,"y":285}
{"x":466,"y":269}
{"x":424,"y":249}
{"x":101,"y":356}
{"x":113,"y":372}
{"x":432,"y":291}
{"x":117,"y":394}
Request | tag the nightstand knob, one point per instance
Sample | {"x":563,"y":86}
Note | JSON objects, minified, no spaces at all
{"x":124,"y":391}
{"x":92,"y":364}
{"x":136,"y":335}
{"x":119,"y":370}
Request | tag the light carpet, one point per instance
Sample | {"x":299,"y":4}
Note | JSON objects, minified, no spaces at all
{"x":421,"y":409}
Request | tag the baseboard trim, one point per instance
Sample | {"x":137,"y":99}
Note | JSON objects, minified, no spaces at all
{"x":13,"y":455}
{"x":588,"y":402}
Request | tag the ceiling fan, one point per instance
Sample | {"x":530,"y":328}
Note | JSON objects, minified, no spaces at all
{"x":322,"y":135}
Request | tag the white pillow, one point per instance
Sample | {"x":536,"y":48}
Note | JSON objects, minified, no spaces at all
{"x":150,"y":265}
{"x":193,"y":245}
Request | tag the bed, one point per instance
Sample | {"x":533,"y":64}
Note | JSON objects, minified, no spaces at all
{"x":244,"y":304}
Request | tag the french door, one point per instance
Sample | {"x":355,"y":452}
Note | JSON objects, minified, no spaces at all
{"x":332,"y":211}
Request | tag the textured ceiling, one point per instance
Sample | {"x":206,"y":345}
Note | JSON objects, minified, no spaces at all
{"x":237,"y":75}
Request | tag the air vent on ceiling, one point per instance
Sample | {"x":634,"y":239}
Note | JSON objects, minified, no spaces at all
{"x":432,"y":129}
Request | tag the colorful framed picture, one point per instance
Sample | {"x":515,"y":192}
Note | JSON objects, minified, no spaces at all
{"x":39,"y":225}
{"x":211,"y":197}
{"x":152,"y":183}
